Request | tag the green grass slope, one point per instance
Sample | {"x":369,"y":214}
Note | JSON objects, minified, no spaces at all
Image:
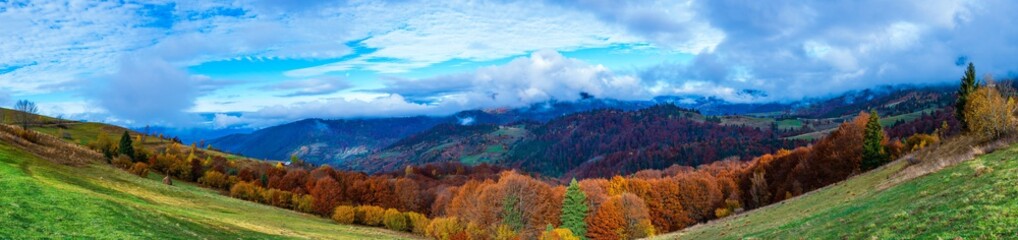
{"x":41,"y":199}
{"x":976,"y":199}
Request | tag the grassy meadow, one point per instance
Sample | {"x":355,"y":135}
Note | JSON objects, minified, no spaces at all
{"x":42,"y":199}
{"x":975,"y":199}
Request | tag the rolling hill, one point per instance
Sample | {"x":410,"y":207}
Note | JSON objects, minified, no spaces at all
{"x":56,"y":189}
{"x":973,"y":199}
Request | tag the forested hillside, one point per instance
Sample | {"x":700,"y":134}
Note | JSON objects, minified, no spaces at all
{"x":322,"y":141}
{"x":610,"y":142}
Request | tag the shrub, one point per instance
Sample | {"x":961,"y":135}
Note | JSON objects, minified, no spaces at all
{"x":395,"y":220}
{"x":215,"y":179}
{"x":122,"y":161}
{"x":418,"y":222}
{"x":303,"y":203}
{"x":276,"y":197}
{"x":722,"y":212}
{"x":446,"y":228}
{"x":920,"y":141}
{"x":26,"y":134}
{"x":140,"y":169}
{"x":476,"y":231}
{"x":558,"y":234}
{"x":344,"y":214}
{"x":247,"y":191}
{"x":504,"y":232}
{"x":370,"y":215}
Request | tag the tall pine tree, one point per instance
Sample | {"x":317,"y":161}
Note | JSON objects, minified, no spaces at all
{"x":574,"y":210}
{"x":873,"y":154}
{"x":126,"y":146}
{"x":968,"y":86}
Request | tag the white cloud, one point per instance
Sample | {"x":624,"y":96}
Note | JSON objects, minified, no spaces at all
{"x":149,"y":91}
{"x":795,"y":49}
{"x":313,"y":86}
{"x":669,"y":24}
{"x":542,"y":76}
{"x":51,"y":42}
{"x":381,"y":106}
{"x":435,"y":32}
{"x":220,"y":121}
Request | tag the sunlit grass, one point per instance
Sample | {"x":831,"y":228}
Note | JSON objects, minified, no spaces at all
{"x":973,"y":200}
{"x":46,"y":200}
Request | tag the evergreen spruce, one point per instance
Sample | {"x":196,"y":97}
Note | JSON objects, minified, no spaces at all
{"x":574,"y":210}
{"x":968,"y":86}
{"x":512,"y":215}
{"x":873,"y":154}
{"x":126,"y":146}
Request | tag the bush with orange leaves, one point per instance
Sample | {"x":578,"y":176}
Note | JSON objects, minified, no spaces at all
{"x":446,"y":228}
{"x":215,"y":179}
{"x":303,"y":203}
{"x":395,"y":220}
{"x":418,"y":222}
{"x":558,"y":234}
{"x":247,"y":191}
{"x":344,"y":214}
{"x":278,"y":198}
{"x":621,"y":217}
{"x":370,"y":215}
{"x":140,"y":169}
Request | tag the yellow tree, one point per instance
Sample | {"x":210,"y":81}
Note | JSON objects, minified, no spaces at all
{"x":989,"y":114}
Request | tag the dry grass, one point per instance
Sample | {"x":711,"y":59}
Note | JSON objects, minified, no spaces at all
{"x":945,"y":154}
{"x":48,"y":147}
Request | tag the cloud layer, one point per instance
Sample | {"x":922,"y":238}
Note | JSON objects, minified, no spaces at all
{"x":148,"y":91}
{"x":142,"y":54}
{"x":312,"y":87}
{"x":794,"y":49}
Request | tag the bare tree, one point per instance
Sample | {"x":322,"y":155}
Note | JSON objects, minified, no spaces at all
{"x":144,"y":135}
{"x":25,"y":110}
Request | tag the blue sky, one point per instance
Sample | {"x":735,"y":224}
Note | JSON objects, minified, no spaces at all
{"x":254,"y":63}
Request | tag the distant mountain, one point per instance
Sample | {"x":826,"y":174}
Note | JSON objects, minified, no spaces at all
{"x":334,"y":141}
{"x":716,"y":106}
{"x":597,"y":143}
{"x":324,"y":141}
{"x":888,"y":100}
{"x":582,"y":138}
{"x":192,"y":134}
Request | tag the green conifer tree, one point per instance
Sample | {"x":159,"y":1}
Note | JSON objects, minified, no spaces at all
{"x":873,"y":154}
{"x":512,"y":215}
{"x":968,"y":86}
{"x":574,"y":210}
{"x":126,"y":147}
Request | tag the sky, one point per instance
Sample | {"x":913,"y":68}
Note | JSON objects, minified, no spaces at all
{"x":256,"y":63}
